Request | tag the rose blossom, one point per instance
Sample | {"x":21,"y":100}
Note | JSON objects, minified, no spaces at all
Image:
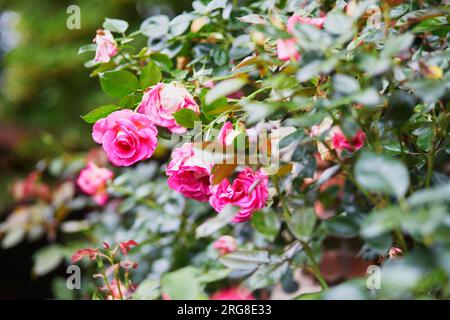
{"x":93,"y":180}
{"x":234,"y":293}
{"x":106,"y":46}
{"x":189,"y":175}
{"x":161,"y":101}
{"x":227,"y":134}
{"x":127,"y":137}
{"x":249,"y":191}
{"x":287,"y":49}
{"x":225,"y":244}
{"x":340,"y":141}
{"x":296,"y":19}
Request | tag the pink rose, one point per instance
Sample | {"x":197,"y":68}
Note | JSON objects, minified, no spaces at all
{"x":93,"y":180}
{"x":161,"y":101}
{"x":127,"y":137}
{"x":249,"y":191}
{"x":106,"y":46}
{"x":225,"y":244}
{"x":296,"y":19}
{"x":227,"y":134}
{"x":340,"y":141}
{"x":234,"y":293}
{"x":189,"y":175}
{"x":287,"y":50}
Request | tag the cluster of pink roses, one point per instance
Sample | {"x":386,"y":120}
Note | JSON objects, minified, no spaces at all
{"x":191,"y":176}
{"x":128,"y":137}
{"x":287,"y":48}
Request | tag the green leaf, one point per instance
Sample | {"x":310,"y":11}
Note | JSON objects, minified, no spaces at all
{"x":220,"y":57}
{"x":162,"y":61}
{"x":431,"y":24}
{"x":345,"y":84}
{"x":302,"y":222}
{"x":434,"y":195}
{"x":342,"y":226}
{"x":150,"y":75}
{"x":181,"y":284}
{"x":186,"y":118}
{"x":13,"y":237}
{"x":291,"y":138}
{"x":383,"y":174}
{"x":223,"y":89}
{"x":267,"y":223}
{"x":180,"y":23}
{"x":215,"y":4}
{"x":245,"y":260}
{"x":398,"y":44}
{"x":87,"y":48}
{"x":337,"y":23}
{"x":99,"y":113}
{"x":115,"y":25}
{"x":380,"y":244}
{"x":368,"y":97}
{"x":147,"y":290}
{"x":253,"y":19}
{"x":47,"y":259}
{"x":380,"y":222}
{"x":215,"y":108}
{"x":400,"y":107}
{"x":213,"y":275}
{"x":118,"y":84}
{"x":155,"y":26}
{"x":265,"y":276}
{"x":257,"y":111}
{"x":213,"y":224}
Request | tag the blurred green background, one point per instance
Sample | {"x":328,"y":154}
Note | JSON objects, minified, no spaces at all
{"x":44,"y":88}
{"x":44,"y":85}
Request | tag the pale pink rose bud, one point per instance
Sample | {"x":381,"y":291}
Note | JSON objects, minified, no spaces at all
{"x":287,"y":50}
{"x":225,"y":244}
{"x":126,"y":136}
{"x":234,"y":293}
{"x":227,"y":134}
{"x":106,"y":46}
{"x":188,"y":174}
{"x":161,"y":101}
{"x":249,"y":191}
{"x":340,"y":141}
{"x":296,"y":19}
{"x":93,"y":181}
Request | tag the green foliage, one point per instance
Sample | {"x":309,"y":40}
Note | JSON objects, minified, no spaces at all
{"x":364,"y":144}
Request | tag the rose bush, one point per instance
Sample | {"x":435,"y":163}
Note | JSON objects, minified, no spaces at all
{"x":349,"y":103}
